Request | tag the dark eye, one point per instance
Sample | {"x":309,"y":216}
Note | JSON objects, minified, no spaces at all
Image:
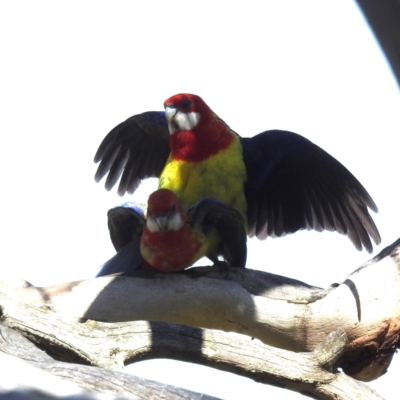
{"x":186,"y":104}
{"x":173,"y":208}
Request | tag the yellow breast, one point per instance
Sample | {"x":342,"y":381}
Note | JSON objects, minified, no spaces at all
{"x":221,"y":176}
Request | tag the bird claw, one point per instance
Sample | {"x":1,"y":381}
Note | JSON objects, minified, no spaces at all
{"x":223,"y":268}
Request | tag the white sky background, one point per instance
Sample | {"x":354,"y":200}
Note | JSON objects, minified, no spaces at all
{"x":71,"y":71}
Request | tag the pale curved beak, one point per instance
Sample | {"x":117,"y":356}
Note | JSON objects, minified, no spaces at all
{"x":170,"y":112}
{"x":162,"y":222}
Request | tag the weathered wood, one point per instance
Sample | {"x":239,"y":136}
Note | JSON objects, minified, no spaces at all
{"x":363,"y":312}
{"x":110,"y":345}
{"x":279,"y":311}
{"x":32,"y":374}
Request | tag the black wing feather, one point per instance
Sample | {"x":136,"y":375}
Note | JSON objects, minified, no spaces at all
{"x":293,"y":184}
{"x":136,"y":149}
{"x":211,"y":213}
{"x":126,"y":224}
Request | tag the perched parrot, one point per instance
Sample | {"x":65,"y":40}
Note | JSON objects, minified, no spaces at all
{"x":171,"y":238}
{"x":174,"y":238}
{"x":278,"y":180}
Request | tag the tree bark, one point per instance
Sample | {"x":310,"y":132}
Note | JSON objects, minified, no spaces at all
{"x":359,"y":316}
{"x":32,"y":374}
{"x":279,"y":311}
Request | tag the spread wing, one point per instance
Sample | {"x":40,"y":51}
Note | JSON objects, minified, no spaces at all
{"x":210,"y":213}
{"x":293,"y":184}
{"x":136,"y":149}
{"x":126,"y":224}
{"x":127,"y":260}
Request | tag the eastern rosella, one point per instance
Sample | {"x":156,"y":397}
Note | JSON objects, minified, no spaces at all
{"x":174,"y":238}
{"x":171,"y":238}
{"x":280,"y":181}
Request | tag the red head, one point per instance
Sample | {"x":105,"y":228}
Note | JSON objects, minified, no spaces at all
{"x":168,"y":243}
{"x":187,"y":103}
{"x":164,"y":211}
{"x":196,"y":132}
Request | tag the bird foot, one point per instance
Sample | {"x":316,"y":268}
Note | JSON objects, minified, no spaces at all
{"x":223,"y":268}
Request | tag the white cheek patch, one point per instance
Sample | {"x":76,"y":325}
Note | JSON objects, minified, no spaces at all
{"x":173,"y":222}
{"x":183,"y":121}
{"x":152,"y":225}
{"x":187,"y":121}
{"x":172,"y":128}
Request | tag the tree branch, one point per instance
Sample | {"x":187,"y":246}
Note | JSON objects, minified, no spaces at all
{"x":281,"y":312}
{"x":359,"y":317}
{"x":112,"y":345}
{"x":36,"y":375}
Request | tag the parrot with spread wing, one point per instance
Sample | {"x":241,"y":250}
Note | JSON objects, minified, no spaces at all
{"x":171,"y":238}
{"x":279,"y":181}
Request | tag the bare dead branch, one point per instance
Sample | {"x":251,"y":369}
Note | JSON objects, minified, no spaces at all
{"x":353,"y":325}
{"x":281,"y":312}
{"x":33,"y":374}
